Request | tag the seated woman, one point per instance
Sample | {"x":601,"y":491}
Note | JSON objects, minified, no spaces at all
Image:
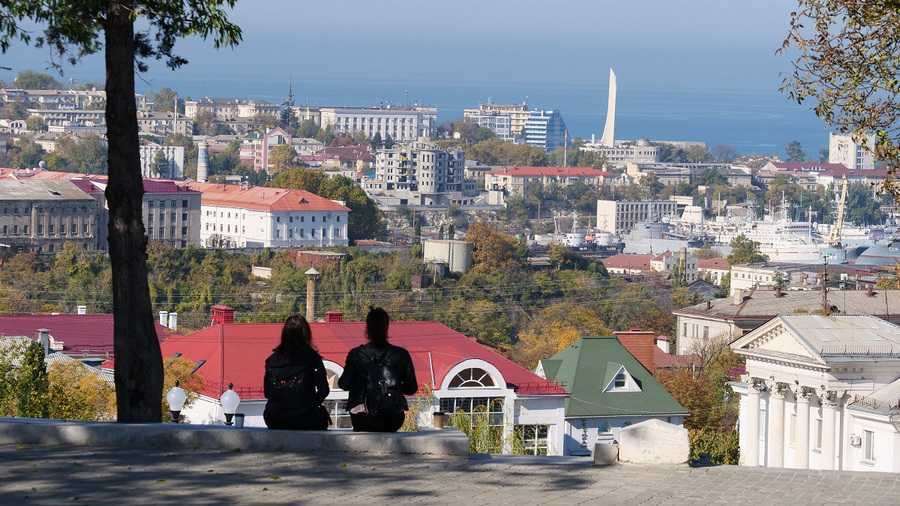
{"x":295,"y":382}
{"x":378,"y":376}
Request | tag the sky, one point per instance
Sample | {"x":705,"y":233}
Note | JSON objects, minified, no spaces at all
{"x":461,"y":52}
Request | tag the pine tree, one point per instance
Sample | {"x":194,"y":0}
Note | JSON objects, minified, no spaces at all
{"x":33,"y":383}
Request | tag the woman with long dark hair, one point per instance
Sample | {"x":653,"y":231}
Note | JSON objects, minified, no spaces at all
{"x":295,"y":382}
{"x":378,"y":376}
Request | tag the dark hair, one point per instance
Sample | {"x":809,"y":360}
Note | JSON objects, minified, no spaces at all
{"x":296,"y":336}
{"x":377,"y":323}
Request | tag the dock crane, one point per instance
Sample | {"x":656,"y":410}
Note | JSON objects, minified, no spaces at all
{"x":834,"y":238}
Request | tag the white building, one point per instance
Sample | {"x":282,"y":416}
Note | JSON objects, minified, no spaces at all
{"x":507,"y":121}
{"x":640,"y":151}
{"x":400,"y":123}
{"x":65,"y":117}
{"x":56,"y":99}
{"x":516,"y":180}
{"x":164,"y":123}
{"x":820,"y":393}
{"x":240,"y":216}
{"x":844,"y":150}
{"x":162,"y":161}
{"x":620,"y":216}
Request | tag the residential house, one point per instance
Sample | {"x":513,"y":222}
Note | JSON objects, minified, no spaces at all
{"x":514,"y":180}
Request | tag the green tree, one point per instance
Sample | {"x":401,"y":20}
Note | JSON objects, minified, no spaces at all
{"x":308,"y":129}
{"x":497,"y":152}
{"x":87,"y":155}
{"x":863,"y":208}
{"x":34,"y":123}
{"x":31,"y":80}
{"x":376,"y":142}
{"x":845,"y":59}
{"x":75,"y":28}
{"x":165,"y":99}
{"x":281,"y":157}
{"x":32,"y":383}
{"x":493,"y":250}
{"x":26,"y":154}
{"x":745,"y":251}
{"x":794,"y":152}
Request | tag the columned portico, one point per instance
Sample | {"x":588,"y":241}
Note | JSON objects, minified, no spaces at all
{"x":829,"y":405}
{"x":752,"y":423}
{"x":801,"y":396}
{"x":775,"y":436}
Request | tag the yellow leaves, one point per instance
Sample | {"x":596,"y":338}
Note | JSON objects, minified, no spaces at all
{"x":78,"y":393}
{"x":181,"y":369}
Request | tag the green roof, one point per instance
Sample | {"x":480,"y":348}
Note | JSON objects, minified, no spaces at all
{"x":587,"y":366}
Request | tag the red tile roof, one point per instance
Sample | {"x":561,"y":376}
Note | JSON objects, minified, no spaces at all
{"x":713,"y":263}
{"x":548,"y":171}
{"x":82,"y":335}
{"x":434,"y":347}
{"x":262,"y":198}
{"x":808,"y":166}
{"x":628,"y":261}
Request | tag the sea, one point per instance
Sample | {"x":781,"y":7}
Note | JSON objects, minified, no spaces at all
{"x":752,"y":121}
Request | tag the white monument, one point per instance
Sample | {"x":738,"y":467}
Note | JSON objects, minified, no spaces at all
{"x":609,"y":130}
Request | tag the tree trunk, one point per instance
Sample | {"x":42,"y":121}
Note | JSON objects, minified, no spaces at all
{"x":139,"y":369}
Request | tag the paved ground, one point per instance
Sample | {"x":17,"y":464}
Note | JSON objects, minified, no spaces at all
{"x":57,"y":476}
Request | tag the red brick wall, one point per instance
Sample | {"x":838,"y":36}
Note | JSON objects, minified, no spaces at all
{"x":639,"y":343}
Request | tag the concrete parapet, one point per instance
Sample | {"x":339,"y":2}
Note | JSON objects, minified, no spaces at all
{"x":606,"y":454}
{"x":654,"y":442}
{"x":442,"y":443}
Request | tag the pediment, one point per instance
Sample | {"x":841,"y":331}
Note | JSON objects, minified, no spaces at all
{"x":776,"y":339}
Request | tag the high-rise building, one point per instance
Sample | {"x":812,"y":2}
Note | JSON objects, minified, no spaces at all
{"x":162,"y":161}
{"x":545,"y":130}
{"x":507,"y":121}
{"x":609,"y":130}
{"x":420,"y":167}
{"x":844,"y":150}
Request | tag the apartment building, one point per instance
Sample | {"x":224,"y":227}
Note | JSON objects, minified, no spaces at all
{"x":55,"y":99}
{"x":853,"y":155}
{"x":256,"y":152}
{"x":241,"y":216}
{"x":162,"y":161}
{"x":42,"y":215}
{"x":164,"y":123}
{"x":420,"y":167}
{"x":640,"y":151}
{"x":64,"y":117}
{"x":400,"y":123}
{"x":515,"y":180}
{"x":619,"y":217}
{"x":545,"y":130}
{"x":507,"y":121}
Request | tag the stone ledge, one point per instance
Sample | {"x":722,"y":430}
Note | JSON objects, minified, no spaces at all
{"x":440,"y":443}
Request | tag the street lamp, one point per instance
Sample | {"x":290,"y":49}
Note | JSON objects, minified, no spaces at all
{"x":230,"y":400}
{"x":176,"y":397}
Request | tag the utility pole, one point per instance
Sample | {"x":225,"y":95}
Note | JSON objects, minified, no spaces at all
{"x":825,"y":307}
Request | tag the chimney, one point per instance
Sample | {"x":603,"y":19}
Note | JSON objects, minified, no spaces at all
{"x":662,"y":342}
{"x":173,"y":321}
{"x":312,"y":276}
{"x":44,"y":339}
{"x":737,"y":298}
{"x":639,"y":343}
{"x":334,"y":316}
{"x":164,"y":318}
{"x":81,"y":310}
{"x":222,"y":314}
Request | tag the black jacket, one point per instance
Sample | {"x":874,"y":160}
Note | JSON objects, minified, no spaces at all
{"x":354,"y":378}
{"x":294,"y":386}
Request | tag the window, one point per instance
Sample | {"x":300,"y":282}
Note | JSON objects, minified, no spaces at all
{"x":489,"y":407}
{"x":533,"y":439}
{"x":472,"y":378}
{"x":620,"y":380}
{"x":869,"y":444}
{"x":340,"y":417}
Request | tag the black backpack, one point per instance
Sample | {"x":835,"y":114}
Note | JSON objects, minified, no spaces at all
{"x":383,"y":395}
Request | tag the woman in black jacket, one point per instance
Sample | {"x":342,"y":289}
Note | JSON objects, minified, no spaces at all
{"x":378,"y":376}
{"x":295,"y":382}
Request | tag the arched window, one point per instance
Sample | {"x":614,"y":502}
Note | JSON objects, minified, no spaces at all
{"x":472,"y":378}
{"x":332,"y":378}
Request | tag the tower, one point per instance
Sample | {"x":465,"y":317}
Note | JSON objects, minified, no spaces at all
{"x":609,"y":130}
{"x":202,"y":163}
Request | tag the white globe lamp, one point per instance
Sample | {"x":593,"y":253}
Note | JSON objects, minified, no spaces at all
{"x":176,"y":398}
{"x":230,"y":401}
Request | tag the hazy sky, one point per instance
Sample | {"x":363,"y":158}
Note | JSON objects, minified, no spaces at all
{"x":691,"y":45}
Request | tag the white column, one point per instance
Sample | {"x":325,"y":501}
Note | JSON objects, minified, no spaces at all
{"x":828,"y":429}
{"x":751,"y":426}
{"x":776,"y":426}
{"x":803,"y":427}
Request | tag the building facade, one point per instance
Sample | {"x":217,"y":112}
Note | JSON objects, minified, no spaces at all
{"x":164,"y":123}
{"x":162,"y":161}
{"x":516,"y":180}
{"x":640,"y":151}
{"x":67,"y":117}
{"x":41,"y":216}
{"x":240,"y":216}
{"x":820,"y":392}
{"x":620,"y":216}
{"x":509,"y":119}
{"x":844,"y":150}
{"x":545,"y":130}
{"x":400,"y":123}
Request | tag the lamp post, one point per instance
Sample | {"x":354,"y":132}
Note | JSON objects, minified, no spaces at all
{"x":230,"y":400}
{"x":176,"y":398}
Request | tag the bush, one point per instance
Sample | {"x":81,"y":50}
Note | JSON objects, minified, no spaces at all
{"x":711,"y":447}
